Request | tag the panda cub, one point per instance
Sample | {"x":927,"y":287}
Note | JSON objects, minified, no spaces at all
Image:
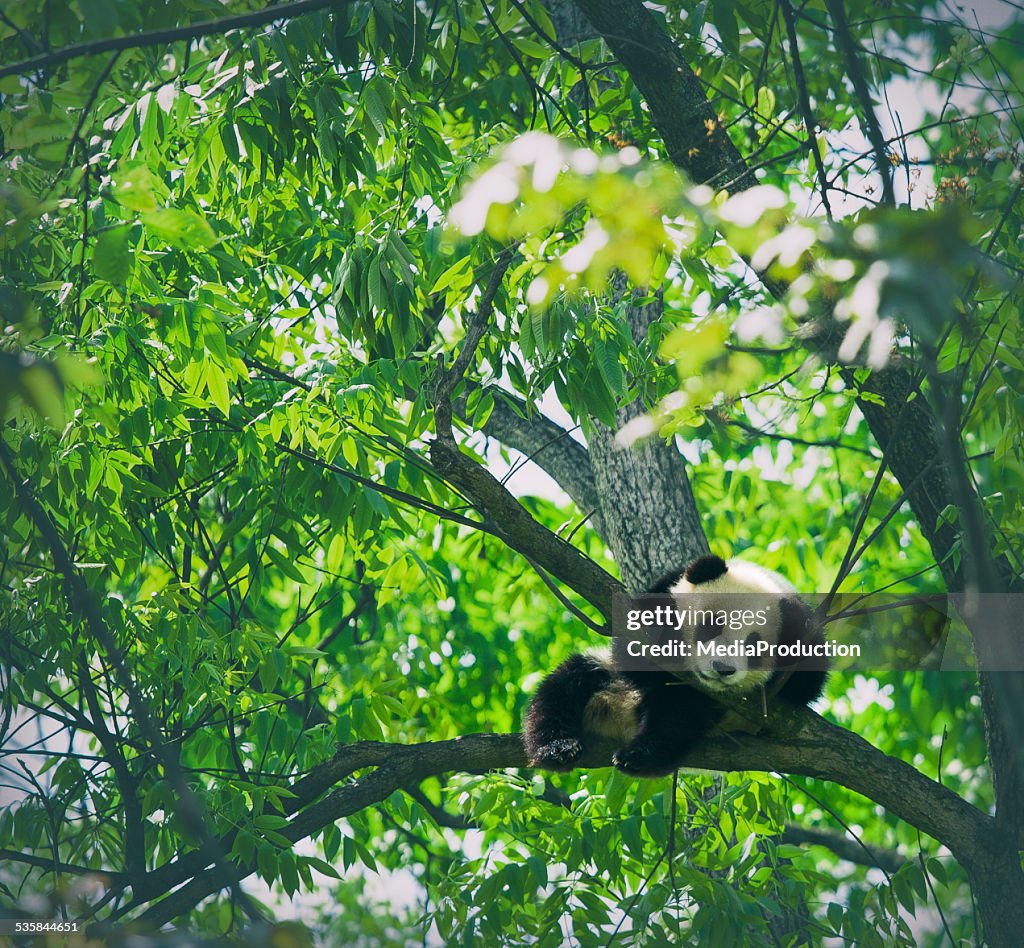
{"x":656,"y":716}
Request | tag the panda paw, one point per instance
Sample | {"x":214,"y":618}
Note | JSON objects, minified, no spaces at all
{"x":560,"y":754}
{"x":644,"y":760}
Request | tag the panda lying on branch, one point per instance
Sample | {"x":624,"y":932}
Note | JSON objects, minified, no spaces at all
{"x":656,"y":716}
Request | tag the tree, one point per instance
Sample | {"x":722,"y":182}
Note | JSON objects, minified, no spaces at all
{"x":273,"y":596}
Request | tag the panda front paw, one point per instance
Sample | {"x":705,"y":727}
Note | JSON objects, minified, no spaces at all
{"x":560,"y":754}
{"x":642,"y":759}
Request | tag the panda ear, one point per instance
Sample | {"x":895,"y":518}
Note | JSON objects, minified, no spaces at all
{"x":705,"y":569}
{"x":665,"y":584}
{"x":796,"y":621}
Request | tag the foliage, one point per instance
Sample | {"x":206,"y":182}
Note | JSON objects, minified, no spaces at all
{"x":227,"y":287}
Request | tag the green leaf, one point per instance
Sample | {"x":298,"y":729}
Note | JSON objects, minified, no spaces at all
{"x":376,"y":109}
{"x":134,"y":188}
{"x":326,"y":868}
{"x":458,"y":274}
{"x":111,"y":256}
{"x":629,"y":828}
{"x":217,"y":385}
{"x":765,"y":103}
{"x":608,"y":363}
{"x":267,"y":673}
{"x":181,"y":229}
{"x":725,"y":22}
{"x":285,"y":565}
{"x":269,"y":821}
{"x":266,"y":861}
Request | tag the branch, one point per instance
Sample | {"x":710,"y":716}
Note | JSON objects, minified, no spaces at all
{"x":475,"y":332}
{"x":514,"y":524}
{"x":860,"y":86}
{"x":438,"y":813}
{"x":547,"y":444}
{"x":191,"y":31}
{"x":510,"y":519}
{"x":845,"y":848}
{"x":48,"y":864}
{"x":797,"y":741}
{"x":805,"y":103}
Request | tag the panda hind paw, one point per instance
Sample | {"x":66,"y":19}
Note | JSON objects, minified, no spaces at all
{"x":644,"y":760}
{"x":560,"y":754}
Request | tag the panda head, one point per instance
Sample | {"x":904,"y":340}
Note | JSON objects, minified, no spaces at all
{"x":736,"y":605}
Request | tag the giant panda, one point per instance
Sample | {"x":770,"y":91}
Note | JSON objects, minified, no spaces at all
{"x":655,"y":715}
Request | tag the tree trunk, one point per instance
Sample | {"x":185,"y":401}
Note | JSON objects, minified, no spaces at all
{"x":998,"y":885}
{"x":647,"y":506}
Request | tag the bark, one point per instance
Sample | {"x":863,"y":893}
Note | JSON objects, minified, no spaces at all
{"x":647,"y":505}
{"x":680,"y":110}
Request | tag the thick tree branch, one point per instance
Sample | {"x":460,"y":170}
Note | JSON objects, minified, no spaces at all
{"x":189,"y":31}
{"x":796,"y":741}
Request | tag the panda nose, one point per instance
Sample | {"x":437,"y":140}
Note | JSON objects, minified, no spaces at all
{"x":722,"y":669}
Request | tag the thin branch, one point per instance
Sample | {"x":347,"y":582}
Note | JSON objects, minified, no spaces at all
{"x":860,"y":86}
{"x":792,"y":439}
{"x":566,"y":602}
{"x":475,"y":332}
{"x":47,"y":864}
{"x":805,"y":103}
{"x":845,"y":848}
{"x":438,"y":813}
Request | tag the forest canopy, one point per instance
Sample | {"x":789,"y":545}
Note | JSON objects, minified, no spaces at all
{"x":355,"y":355}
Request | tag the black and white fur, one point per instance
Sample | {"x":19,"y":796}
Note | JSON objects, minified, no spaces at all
{"x":656,"y":717}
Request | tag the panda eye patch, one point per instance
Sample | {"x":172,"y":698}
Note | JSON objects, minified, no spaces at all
{"x":753,"y":639}
{"x":707,"y":631}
